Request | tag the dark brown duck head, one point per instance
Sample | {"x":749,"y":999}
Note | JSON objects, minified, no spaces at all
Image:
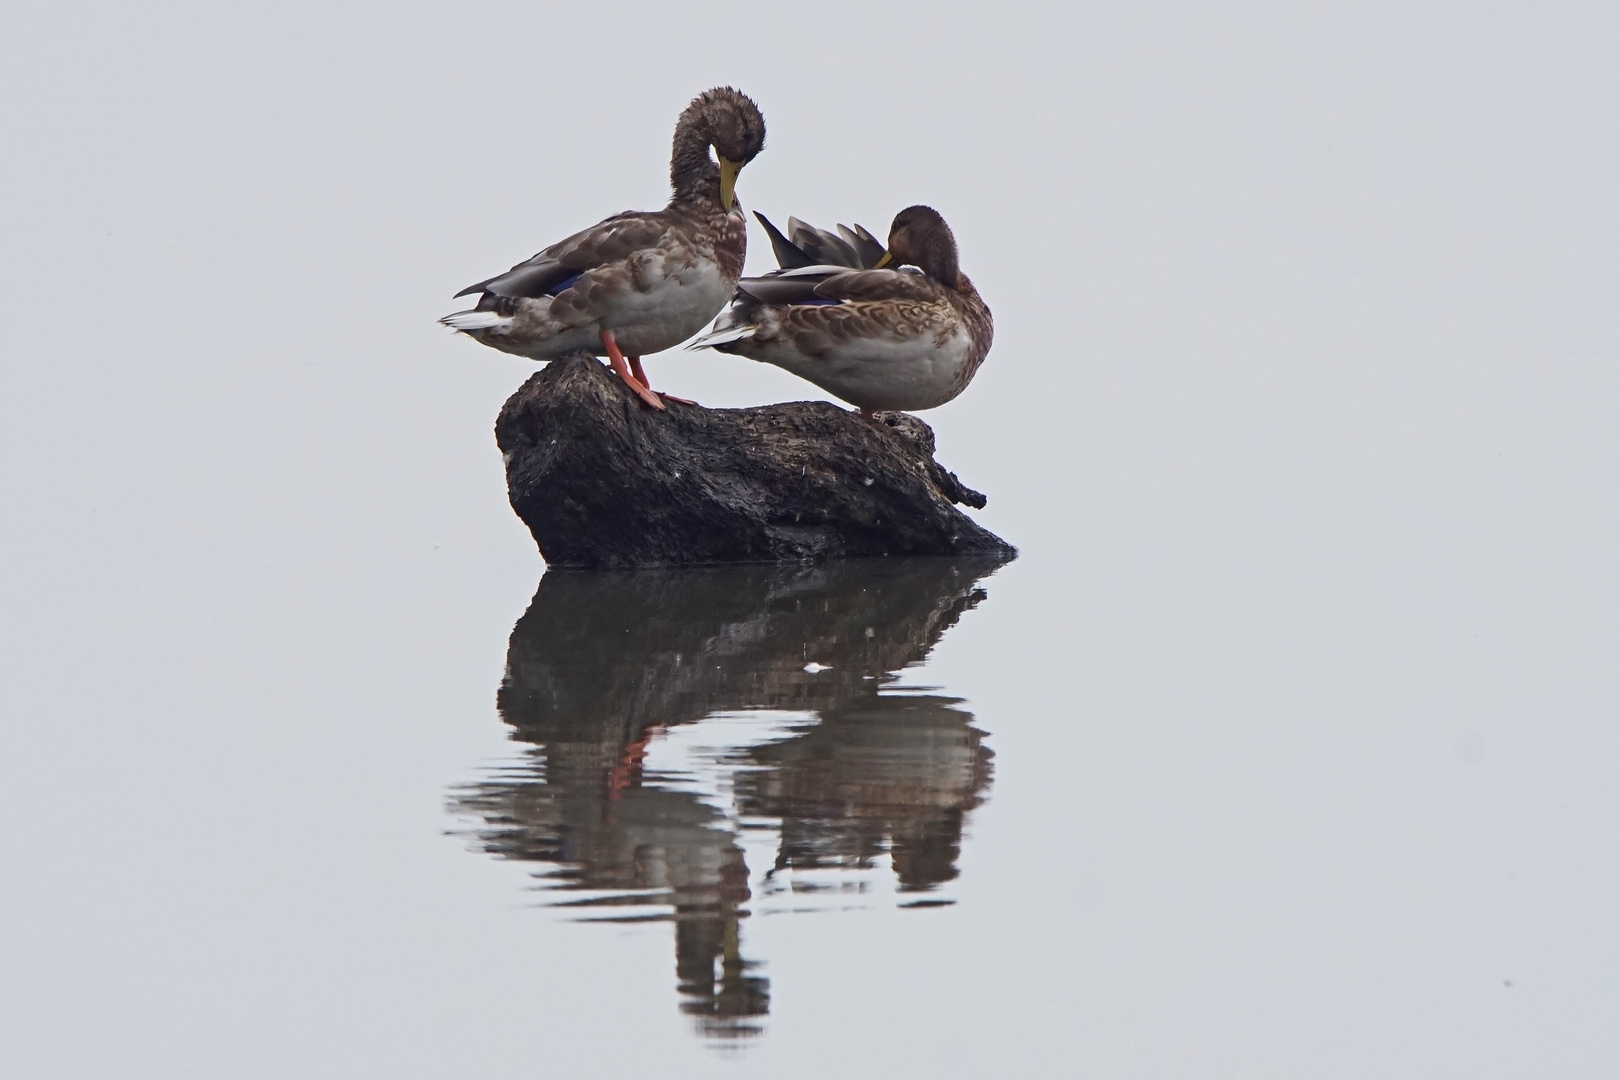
{"x":919,"y":237}
{"x":727,"y":120}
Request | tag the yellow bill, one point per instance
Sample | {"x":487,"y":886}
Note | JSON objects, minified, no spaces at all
{"x":728,"y":181}
{"x":888,"y":257}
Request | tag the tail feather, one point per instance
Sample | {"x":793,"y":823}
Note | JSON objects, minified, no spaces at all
{"x":724,"y":336}
{"x":477,"y":320}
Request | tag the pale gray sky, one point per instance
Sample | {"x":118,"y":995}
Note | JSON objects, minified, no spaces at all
{"x":1302,"y":409}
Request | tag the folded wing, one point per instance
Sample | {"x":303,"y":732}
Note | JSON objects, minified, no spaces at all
{"x":553,"y":269}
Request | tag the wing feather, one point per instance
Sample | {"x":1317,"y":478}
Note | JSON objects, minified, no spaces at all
{"x":871,"y":249}
{"x":608,"y":241}
{"x":795,"y":286}
{"x":821,"y":245}
{"x":789,"y":256}
{"x":877,"y":285}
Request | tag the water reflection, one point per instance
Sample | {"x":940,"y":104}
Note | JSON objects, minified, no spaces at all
{"x":681,"y":720}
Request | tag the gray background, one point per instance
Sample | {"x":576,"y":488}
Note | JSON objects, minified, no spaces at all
{"x":1301,"y":407}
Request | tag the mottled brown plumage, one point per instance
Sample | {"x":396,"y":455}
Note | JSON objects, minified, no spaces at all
{"x":638,"y":282}
{"x":878,"y":338}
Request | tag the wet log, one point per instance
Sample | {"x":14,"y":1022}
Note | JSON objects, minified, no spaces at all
{"x":603,"y":481}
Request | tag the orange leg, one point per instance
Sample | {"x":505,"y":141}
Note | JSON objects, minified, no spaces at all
{"x":627,"y":770}
{"x":635,"y":369}
{"x":616,"y":361}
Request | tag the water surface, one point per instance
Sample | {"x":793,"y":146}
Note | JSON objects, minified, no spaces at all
{"x":1302,"y":696}
{"x":704,"y":746}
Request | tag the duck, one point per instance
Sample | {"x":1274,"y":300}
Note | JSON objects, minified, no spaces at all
{"x":883,"y":328}
{"x":642,"y":281}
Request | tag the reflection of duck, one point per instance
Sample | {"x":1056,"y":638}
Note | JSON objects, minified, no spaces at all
{"x":601,"y":665}
{"x":892,"y":774}
{"x":642,"y":846}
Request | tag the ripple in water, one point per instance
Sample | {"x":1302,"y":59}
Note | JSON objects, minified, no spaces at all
{"x":709,"y":745}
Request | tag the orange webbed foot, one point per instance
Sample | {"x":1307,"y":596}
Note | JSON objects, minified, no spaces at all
{"x":622,"y":370}
{"x":636,"y":370}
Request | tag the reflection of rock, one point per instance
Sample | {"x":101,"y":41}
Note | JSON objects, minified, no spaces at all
{"x":601,"y":664}
{"x":613,"y":653}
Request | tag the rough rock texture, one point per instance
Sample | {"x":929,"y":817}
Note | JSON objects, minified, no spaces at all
{"x":603,"y":481}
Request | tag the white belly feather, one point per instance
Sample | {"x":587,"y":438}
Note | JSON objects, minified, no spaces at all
{"x":655,"y":300}
{"x":675,"y":302}
{"x":910,"y":374}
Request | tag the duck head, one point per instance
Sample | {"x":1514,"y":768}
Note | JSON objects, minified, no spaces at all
{"x":919,"y":237}
{"x":730,"y":122}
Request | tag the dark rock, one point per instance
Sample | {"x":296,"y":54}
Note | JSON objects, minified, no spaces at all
{"x":603,"y":481}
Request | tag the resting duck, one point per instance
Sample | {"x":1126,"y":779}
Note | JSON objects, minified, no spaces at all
{"x":638,"y":282}
{"x":878,"y":338}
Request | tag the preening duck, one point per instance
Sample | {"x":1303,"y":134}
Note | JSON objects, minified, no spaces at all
{"x":639,"y":282}
{"x":838,"y":315}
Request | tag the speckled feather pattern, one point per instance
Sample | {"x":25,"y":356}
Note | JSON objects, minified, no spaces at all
{"x":897,"y":341}
{"x":652,"y":289}
{"x":652,"y":278}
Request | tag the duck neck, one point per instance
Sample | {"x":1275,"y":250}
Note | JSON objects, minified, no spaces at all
{"x":939,"y":261}
{"x":693,"y":175}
